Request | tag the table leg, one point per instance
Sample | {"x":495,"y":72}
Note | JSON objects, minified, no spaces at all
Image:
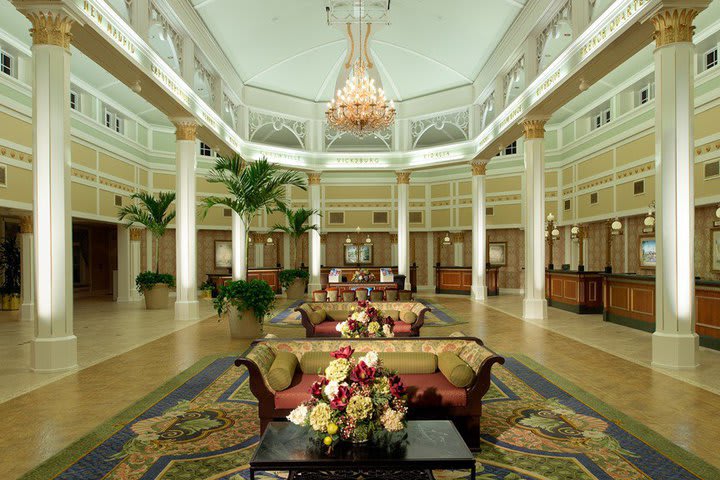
{"x":252,"y":474}
{"x":472,"y":473}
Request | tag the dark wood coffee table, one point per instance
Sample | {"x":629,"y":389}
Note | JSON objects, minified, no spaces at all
{"x":429,"y":445}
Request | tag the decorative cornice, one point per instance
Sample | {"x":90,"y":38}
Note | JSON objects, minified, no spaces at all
{"x":479,"y":167}
{"x":707,"y":148}
{"x":116,"y":185}
{"x":75,"y":172}
{"x":646,"y":167}
{"x":12,"y":153}
{"x":136,"y":234}
{"x":403,"y":178}
{"x":26,"y":224}
{"x":674,"y":26}
{"x":595,"y":183}
{"x":185,"y":129}
{"x":50,"y":28}
{"x":534,"y":129}
{"x":313,"y":178}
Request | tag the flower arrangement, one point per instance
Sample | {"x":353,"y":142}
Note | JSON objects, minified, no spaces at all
{"x":364,"y":320}
{"x":362,"y":276}
{"x":352,"y":400}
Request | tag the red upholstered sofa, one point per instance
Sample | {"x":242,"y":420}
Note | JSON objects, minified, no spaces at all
{"x":409,"y":317}
{"x":430,"y":394}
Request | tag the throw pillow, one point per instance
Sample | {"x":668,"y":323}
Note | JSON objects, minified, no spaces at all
{"x":408,"y":317}
{"x":455,"y":369}
{"x":282,"y":371}
{"x":316,"y":318}
{"x":394,"y":314}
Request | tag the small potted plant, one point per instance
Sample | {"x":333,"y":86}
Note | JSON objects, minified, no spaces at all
{"x":247,"y":303}
{"x":10,"y":268}
{"x":294,"y":282}
{"x":207,"y":289}
{"x":155,"y":287}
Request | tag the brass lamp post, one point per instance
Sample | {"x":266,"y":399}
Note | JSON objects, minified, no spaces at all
{"x":579,"y":234}
{"x":551,"y":235}
{"x":614,"y":229}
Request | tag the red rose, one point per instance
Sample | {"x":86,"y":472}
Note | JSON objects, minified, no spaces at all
{"x":342,"y":398}
{"x":363,"y":374}
{"x":344,"y":352}
{"x":389,"y":321}
{"x":397,"y":389}
{"x":352,"y":325}
{"x":316,"y":390}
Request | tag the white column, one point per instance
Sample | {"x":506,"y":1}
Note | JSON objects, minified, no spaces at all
{"x":259,"y":252}
{"x":27,"y":310}
{"x":403,"y":191}
{"x":479,"y":231}
{"x":239,"y":248}
{"x":54,"y":346}
{"x":534,"y":303}
{"x":186,"y":303}
{"x":458,"y":240}
{"x":314,"y":240}
{"x":675,"y":343}
{"x":135,"y":262}
{"x":123,"y":270}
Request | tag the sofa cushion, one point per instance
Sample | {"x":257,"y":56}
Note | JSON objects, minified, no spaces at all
{"x":401,"y":327}
{"x":409,"y":362}
{"x":297,"y":393}
{"x":394,"y":314}
{"x":337,"y":315}
{"x":433,"y":390}
{"x":317,"y":317}
{"x":326,"y":329}
{"x":408,"y":317}
{"x":282,"y":370}
{"x":455,"y":369}
{"x":313,"y":362}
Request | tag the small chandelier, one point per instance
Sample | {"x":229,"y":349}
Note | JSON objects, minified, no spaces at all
{"x":360,"y":107}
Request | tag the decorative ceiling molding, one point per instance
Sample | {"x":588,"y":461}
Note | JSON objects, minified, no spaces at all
{"x":460,"y":119}
{"x":551,"y":30}
{"x":333,"y":135}
{"x":258,"y":120}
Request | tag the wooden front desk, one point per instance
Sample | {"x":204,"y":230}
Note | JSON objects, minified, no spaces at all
{"x":459,"y":280}
{"x":348,"y":271}
{"x":269,"y":275}
{"x":579,"y":292}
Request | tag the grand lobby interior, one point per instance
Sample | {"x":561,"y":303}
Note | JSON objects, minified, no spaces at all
{"x":508,"y":210}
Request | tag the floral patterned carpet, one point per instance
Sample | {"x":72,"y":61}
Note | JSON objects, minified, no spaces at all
{"x":203,"y":425}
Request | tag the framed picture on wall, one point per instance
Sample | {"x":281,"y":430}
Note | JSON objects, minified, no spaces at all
{"x":648,"y":251}
{"x":715,"y":246}
{"x":362,"y":254}
{"x":223,"y":254}
{"x":497,"y":253}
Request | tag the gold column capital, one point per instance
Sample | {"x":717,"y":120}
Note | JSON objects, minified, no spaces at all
{"x":185,"y":128}
{"x":479,"y":167}
{"x":534,"y":128}
{"x":136,"y":234}
{"x":26,"y":224}
{"x":313,"y":178}
{"x":674,"y":25}
{"x":403,"y":178}
{"x":50,"y":25}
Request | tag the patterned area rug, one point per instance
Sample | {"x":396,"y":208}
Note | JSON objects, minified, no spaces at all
{"x":203,"y":425}
{"x":438,"y":317}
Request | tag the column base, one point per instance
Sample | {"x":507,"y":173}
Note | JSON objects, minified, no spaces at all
{"x":53,"y":354}
{"x":534,"y":309}
{"x":187,"y":311}
{"x":478,"y":293}
{"x":27,"y":312}
{"x":671,"y":350}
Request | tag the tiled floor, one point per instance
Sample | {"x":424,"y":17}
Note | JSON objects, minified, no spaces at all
{"x":48,"y":418}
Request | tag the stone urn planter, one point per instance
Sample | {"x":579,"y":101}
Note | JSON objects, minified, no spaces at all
{"x":244,"y":324}
{"x":156,"y":297}
{"x":296,"y":290}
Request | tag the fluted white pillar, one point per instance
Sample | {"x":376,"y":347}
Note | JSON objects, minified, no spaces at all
{"x":27,"y":289}
{"x":314,"y":243}
{"x":479,"y":229}
{"x":186,"y":303}
{"x":123,"y":258}
{"x":239,"y":248}
{"x":534,"y":303}
{"x":403,"y":222}
{"x":675,"y":343}
{"x":54,"y":347}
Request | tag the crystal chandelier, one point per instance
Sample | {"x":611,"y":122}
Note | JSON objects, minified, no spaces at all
{"x":360,"y":107}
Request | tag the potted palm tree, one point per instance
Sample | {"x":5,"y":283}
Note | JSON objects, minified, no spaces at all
{"x":10,"y":268}
{"x":252,"y":188}
{"x":152,"y":212}
{"x":247,"y":304}
{"x":295,"y":280}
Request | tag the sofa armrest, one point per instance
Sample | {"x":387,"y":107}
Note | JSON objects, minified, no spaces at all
{"x":419,"y":321}
{"x":258,"y":385}
{"x":481,"y":385}
{"x":305,"y":320}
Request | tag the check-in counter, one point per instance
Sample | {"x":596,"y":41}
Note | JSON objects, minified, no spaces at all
{"x":270,"y":275}
{"x":630,"y":300}
{"x":459,"y":280}
{"x":574,"y":291}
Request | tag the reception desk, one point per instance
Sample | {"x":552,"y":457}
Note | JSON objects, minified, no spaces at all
{"x":348,"y":271}
{"x":459,"y":280}
{"x":578,"y":292}
{"x":269,"y":275}
{"x":630,"y":300}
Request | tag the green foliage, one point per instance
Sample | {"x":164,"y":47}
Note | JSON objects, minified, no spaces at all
{"x":10,"y":266}
{"x":207,"y":285}
{"x":151,"y":212}
{"x":147,"y":280}
{"x":287,"y":276}
{"x":297,"y":225}
{"x":254,"y":294}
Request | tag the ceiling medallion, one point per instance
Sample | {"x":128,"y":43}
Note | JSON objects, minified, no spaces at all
{"x":360,"y":107}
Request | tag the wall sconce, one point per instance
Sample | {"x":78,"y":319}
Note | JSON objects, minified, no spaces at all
{"x":348,"y":240}
{"x":649,"y":221}
{"x":551,"y":234}
{"x":614,"y":229}
{"x":578,"y":233}
{"x":446,"y":239}
{"x":368,"y":240}
{"x":269,"y":240}
{"x":250,"y":238}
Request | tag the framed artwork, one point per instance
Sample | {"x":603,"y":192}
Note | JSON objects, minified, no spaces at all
{"x":362,"y":254}
{"x":715,"y":246}
{"x":648,"y":251}
{"x":223,"y":254}
{"x":497,"y":253}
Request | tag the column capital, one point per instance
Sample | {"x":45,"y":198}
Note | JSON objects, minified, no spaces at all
{"x":185,"y":128}
{"x":313,"y":178}
{"x":403,"y":177}
{"x":136,"y":234}
{"x":26,"y":224}
{"x":51,"y":23}
{"x":479,"y":166}
{"x":534,"y":128}
{"x":674,"y":25}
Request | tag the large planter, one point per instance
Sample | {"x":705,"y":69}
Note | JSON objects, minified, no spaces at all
{"x":156,"y":298}
{"x":243,"y":324}
{"x":11,"y":301}
{"x":296,"y":290}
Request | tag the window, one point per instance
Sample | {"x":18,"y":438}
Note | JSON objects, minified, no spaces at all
{"x":646,"y":94}
{"x":712,"y":169}
{"x":119,"y":125}
{"x":566,"y":205}
{"x":114,"y":121}
{"x":7,"y":63}
{"x":489,"y":211}
{"x":109,"y":117}
{"x":380,"y":217}
{"x":3,"y":176}
{"x":601,"y":118}
{"x":511,"y":149}
{"x":74,"y":101}
{"x":227,"y":212}
{"x":205,"y":150}
{"x":336,"y":218}
{"x":593,"y":198}
{"x":118,"y":200}
{"x":416,"y":217}
{"x":639,"y":187}
{"x":711,"y":58}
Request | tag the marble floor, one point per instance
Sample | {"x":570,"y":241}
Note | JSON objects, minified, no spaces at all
{"x":46,"y":419}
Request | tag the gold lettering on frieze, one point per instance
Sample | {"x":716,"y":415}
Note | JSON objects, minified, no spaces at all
{"x":112,"y":30}
{"x":511,"y":116}
{"x":547,"y":84}
{"x":170,"y":84}
{"x":616,"y":22}
{"x":209,"y":120}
